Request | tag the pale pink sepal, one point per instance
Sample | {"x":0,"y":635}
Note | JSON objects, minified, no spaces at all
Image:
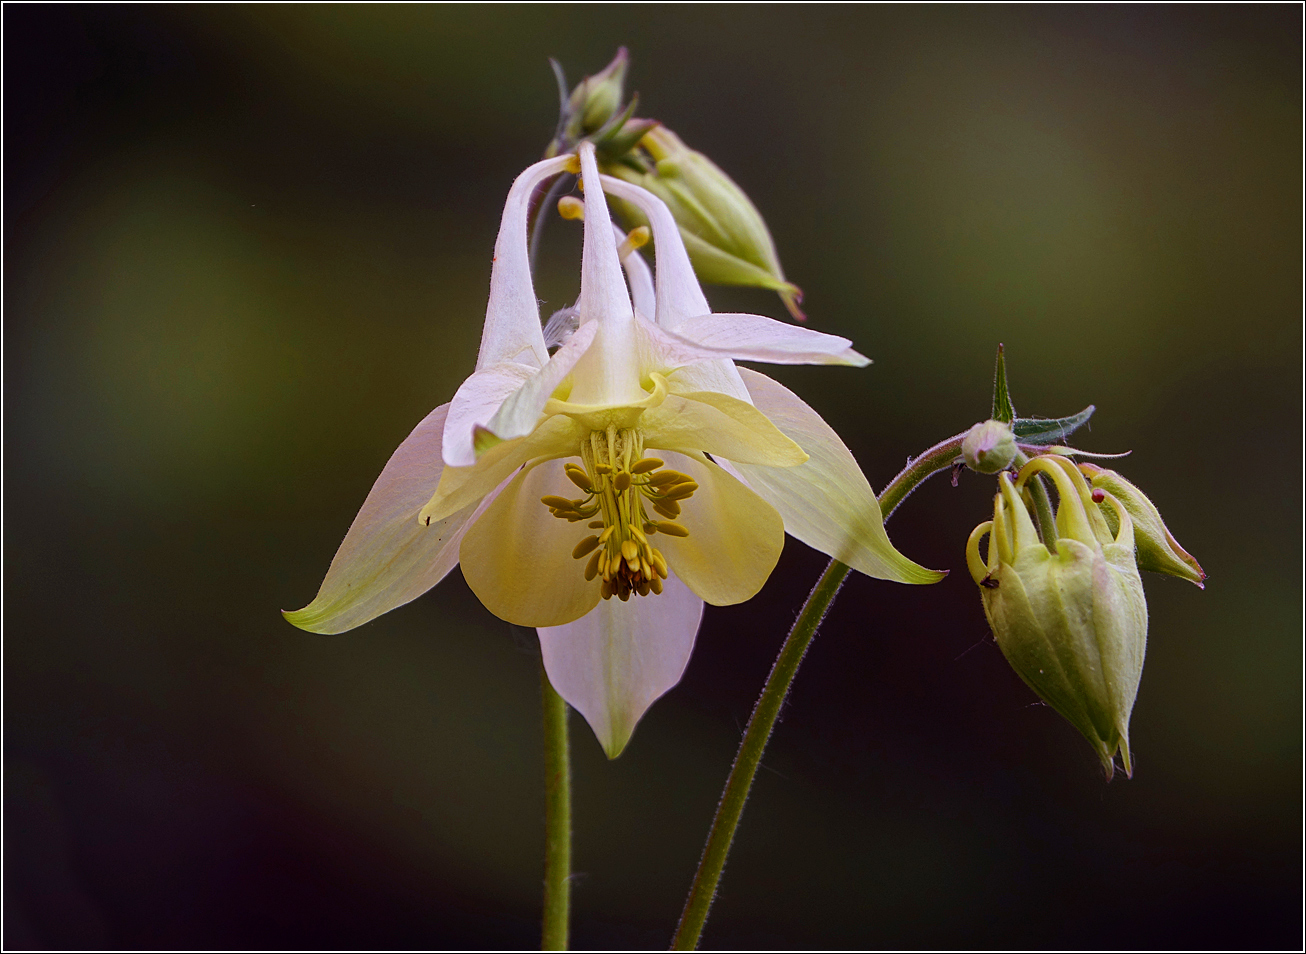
{"x":826,"y":502}
{"x":758,"y":338}
{"x":615,"y":661}
{"x":476,"y":401}
{"x":512,"y":318}
{"x":387,"y":558}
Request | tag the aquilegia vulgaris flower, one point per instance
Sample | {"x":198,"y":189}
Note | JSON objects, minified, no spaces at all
{"x":575,"y":489}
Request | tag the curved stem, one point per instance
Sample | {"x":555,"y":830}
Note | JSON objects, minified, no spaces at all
{"x":938,"y":458}
{"x":557,"y":819}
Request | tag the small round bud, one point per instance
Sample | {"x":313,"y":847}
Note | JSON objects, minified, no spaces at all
{"x":989,"y":447}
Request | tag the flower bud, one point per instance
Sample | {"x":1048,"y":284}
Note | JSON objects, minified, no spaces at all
{"x":989,"y":447}
{"x":596,"y":99}
{"x":1073,"y":624}
{"x":1158,"y":551}
{"x":725,"y":235}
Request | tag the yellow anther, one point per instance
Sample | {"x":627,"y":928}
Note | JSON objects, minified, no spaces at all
{"x":592,"y":567}
{"x":580,"y":479}
{"x":570,"y":207}
{"x":573,"y":165}
{"x":660,"y":563}
{"x":630,"y":550}
{"x":645,"y":465}
{"x":672,"y":529}
{"x":638,"y":534}
{"x":584,"y":547}
{"x":557,"y":503}
{"x":667,"y":477}
{"x":637,"y":238}
{"x":668,"y":508}
{"x":607,"y":534}
{"x":680,"y":491}
{"x":655,"y":585}
{"x":650,"y":528}
{"x":621,"y":482}
{"x":603,"y":468}
{"x":595,"y":524}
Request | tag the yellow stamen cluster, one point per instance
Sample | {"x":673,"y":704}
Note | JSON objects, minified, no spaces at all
{"x":618,"y":480}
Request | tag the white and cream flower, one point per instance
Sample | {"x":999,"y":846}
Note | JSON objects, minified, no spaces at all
{"x":576,"y":489}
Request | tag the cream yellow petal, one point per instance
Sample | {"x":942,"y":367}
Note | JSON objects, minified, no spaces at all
{"x":517,"y":558}
{"x":718,"y":424}
{"x":461,"y":486}
{"x":826,"y":502}
{"x":735,"y":537}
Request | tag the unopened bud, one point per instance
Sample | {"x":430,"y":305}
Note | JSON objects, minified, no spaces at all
{"x":1158,"y":550}
{"x":989,"y":447}
{"x":597,"y":98}
{"x":1073,"y":624}
{"x":726,"y":237}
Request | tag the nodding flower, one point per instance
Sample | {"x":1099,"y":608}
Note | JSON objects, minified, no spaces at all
{"x":575,"y":489}
{"x":1070,"y":617}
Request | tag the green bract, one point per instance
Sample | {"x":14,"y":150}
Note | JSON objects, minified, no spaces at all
{"x":725,"y":235}
{"x":1072,"y":623}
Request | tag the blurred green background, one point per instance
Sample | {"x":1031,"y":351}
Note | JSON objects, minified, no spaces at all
{"x":248,"y":248}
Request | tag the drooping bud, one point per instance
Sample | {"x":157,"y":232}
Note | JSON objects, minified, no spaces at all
{"x":989,"y":447}
{"x":725,"y":235}
{"x":1073,"y":624}
{"x":596,"y":99}
{"x":1158,"y":550}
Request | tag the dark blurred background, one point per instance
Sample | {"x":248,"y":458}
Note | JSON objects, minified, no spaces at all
{"x":247,"y":248}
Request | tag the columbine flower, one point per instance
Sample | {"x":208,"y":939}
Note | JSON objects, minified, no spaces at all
{"x":575,"y":489}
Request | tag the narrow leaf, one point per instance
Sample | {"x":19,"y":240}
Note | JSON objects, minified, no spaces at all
{"x":1002,"y":409}
{"x":1039,"y":430}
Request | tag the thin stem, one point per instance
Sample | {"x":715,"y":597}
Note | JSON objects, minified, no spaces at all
{"x":938,"y":458}
{"x":557,"y":819}
{"x":750,"y":756}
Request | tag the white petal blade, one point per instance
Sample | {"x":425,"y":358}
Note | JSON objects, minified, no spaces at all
{"x":616,"y":660}
{"x":512,"y":318}
{"x":475,"y":403}
{"x":826,"y":502}
{"x":679,"y":295}
{"x":520,"y":412}
{"x":517,"y":556}
{"x":387,"y":558}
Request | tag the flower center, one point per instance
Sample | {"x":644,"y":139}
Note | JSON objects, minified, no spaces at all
{"x":618,"y":480}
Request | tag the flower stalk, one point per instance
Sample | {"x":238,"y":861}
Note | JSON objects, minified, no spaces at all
{"x":557,"y":819}
{"x":940,"y":457}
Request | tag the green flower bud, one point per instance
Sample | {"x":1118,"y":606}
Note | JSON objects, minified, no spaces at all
{"x":989,"y":447}
{"x":1158,"y":550}
{"x":596,"y":99}
{"x":725,"y":235}
{"x":1073,"y":624}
